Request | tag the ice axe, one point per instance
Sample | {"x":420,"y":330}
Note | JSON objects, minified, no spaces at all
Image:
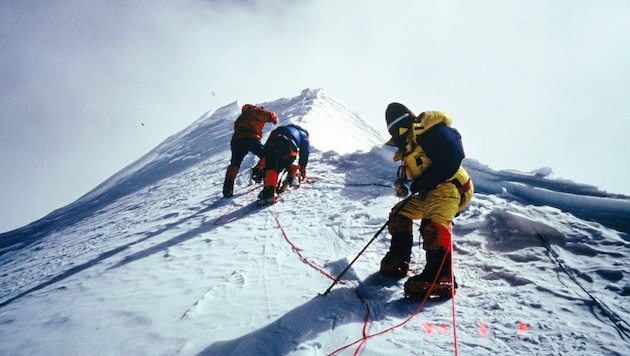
{"x":398,"y":209}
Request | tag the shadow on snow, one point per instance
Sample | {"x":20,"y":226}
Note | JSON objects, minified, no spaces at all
{"x":324,"y":314}
{"x":204,"y":226}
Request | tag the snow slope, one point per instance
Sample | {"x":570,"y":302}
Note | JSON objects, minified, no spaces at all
{"x":153,"y":261}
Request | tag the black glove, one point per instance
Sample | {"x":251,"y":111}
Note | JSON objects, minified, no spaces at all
{"x":417,"y":188}
{"x":302,"y":173}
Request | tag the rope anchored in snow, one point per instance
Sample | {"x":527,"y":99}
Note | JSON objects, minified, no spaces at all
{"x":366,"y":336}
{"x":336,"y":280}
{"x":296,"y":249}
{"x":622,"y":326}
{"x":230,"y":215}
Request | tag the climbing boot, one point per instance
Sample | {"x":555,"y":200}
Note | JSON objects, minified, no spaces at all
{"x":435,"y":280}
{"x":267,"y":196}
{"x":228,"y":183}
{"x":394,"y":266}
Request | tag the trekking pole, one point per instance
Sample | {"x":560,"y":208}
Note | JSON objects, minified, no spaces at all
{"x":280,"y":178}
{"x":398,"y":209}
{"x":281,"y":186}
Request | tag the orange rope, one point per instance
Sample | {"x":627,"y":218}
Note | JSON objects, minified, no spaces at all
{"x":362,"y":341}
{"x":365,"y":335}
{"x":219,"y":221}
{"x":296,"y":249}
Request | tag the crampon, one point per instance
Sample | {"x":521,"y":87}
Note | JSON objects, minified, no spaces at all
{"x":417,"y":289}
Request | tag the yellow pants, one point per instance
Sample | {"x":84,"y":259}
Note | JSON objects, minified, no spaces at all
{"x":441,"y":204}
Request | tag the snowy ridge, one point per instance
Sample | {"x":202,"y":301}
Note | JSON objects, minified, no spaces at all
{"x":193,"y":143}
{"x":207,"y":137}
{"x":176,"y":153}
{"x":189,"y":145}
{"x":585,"y":201}
{"x":154,"y":261}
{"x":331,"y":125}
{"x":343,"y":131}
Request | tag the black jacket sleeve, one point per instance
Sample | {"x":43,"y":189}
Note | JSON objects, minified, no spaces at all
{"x":305,"y":148}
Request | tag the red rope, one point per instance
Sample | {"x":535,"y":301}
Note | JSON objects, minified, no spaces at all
{"x":219,"y":221}
{"x":365,"y":335}
{"x":366,"y":323}
{"x":453,"y":296}
{"x":297,"y":250}
{"x":362,"y":341}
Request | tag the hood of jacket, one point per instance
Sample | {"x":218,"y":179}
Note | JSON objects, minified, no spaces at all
{"x":424,"y":122}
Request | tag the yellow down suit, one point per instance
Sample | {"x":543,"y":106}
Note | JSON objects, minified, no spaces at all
{"x":431,"y":160}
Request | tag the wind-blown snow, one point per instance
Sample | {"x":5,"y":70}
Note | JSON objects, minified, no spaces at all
{"x":154,"y":261}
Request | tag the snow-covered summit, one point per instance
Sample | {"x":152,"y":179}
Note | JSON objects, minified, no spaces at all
{"x":332,"y":127}
{"x":331,"y":124}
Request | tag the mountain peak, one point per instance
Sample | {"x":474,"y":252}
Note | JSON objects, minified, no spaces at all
{"x":331,"y":124}
{"x":332,"y":127}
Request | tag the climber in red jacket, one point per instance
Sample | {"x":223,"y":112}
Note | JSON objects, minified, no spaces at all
{"x":247,"y":137}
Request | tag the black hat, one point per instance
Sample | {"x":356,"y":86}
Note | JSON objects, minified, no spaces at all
{"x":397,"y":116}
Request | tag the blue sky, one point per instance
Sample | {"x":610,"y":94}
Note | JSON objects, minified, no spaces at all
{"x":89,"y":87}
